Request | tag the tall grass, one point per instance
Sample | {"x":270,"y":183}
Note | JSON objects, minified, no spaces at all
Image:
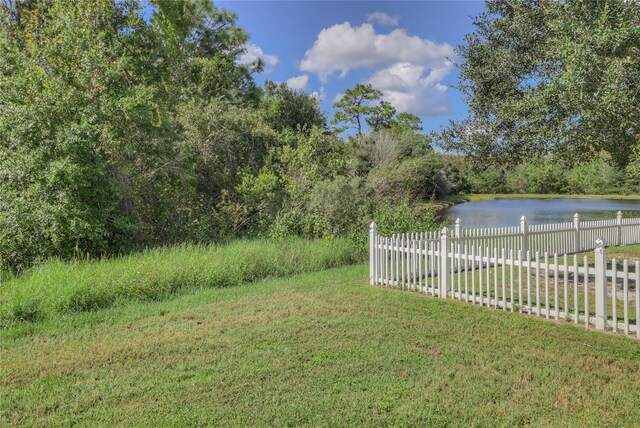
{"x":60,"y":287}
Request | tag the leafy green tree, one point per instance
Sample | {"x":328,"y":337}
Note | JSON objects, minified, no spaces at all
{"x":286,"y":108}
{"x":200,"y":45}
{"x":91,"y":159}
{"x":356,"y":105}
{"x":550,"y":76}
{"x":407,"y":122}
{"x":381,"y":117}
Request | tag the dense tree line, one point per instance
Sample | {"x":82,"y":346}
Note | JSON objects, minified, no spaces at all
{"x":126,"y":124}
{"x":120,"y":130}
{"x":548,"y":174}
{"x":549,"y":77}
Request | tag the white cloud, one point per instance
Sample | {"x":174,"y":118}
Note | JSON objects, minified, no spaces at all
{"x":343,"y":47}
{"x":255,"y":52}
{"x":382,"y":18}
{"x":321,"y":95}
{"x":404,"y":86}
{"x":298,"y":82}
{"x":338,"y":97}
{"x":408,"y":70}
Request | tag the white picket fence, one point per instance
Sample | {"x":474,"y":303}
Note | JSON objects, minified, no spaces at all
{"x":550,"y":284}
{"x":562,"y":238}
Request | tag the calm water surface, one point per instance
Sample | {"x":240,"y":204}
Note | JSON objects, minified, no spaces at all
{"x":507,"y":212}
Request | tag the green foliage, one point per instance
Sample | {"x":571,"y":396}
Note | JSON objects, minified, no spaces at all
{"x":413,"y":179}
{"x":595,"y":177}
{"x":355,"y":107}
{"x":124,"y":128}
{"x":632,"y":172}
{"x":545,"y":77}
{"x":552,"y":176}
{"x":416,"y":179}
{"x":487,"y":182}
{"x":381,"y":117}
{"x":386,"y":148}
{"x":98,"y":122}
{"x":407,"y":122}
{"x":405,"y":217}
{"x":338,"y":207}
{"x":290,"y":109}
{"x":543,"y":176}
{"x":58,"y":288}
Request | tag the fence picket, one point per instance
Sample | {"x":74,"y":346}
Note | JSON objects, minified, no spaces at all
{"x":529,"y":281}
{"x":511,"y":280}
{"x":473,"y":276}
{"x":504,"y":279}
{"x":556,"y":286}
{"x":586,"y":290}
{"x":420,"y":260}
{"x":614,"y":294}
{"x":400,"y":256}
{"x":546,"y":284}
{"x":480,"y":275}
{"x":459,"y":271}
{"x":466,"y":273}
{"x":576,"y":278}
{"x":625,"y":296}
{"x":520,"y":280}
{"x":637,"y":290}
{"x":538,"y":306}
{"x":433,"y":268}
{"x":566,"y":288}
{"x":495,"y":278}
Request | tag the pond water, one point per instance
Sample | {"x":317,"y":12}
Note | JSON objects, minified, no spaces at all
{"x":507,"y":212}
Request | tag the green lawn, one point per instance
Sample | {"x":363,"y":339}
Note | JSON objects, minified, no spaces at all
{"x":629,"y":252}
{"x":317,"y":349}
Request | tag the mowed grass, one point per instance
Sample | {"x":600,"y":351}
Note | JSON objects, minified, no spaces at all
{"x":631,"y":253}
{"x":58,"y":288}
{"x":320,"y":349}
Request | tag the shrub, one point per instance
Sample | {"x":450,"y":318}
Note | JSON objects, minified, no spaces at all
{"x":58,"y":287}
{"x":404,"y":217}
{"x":541,"y":176}
{"x":414,"y":179}
{"x":595,"y":177}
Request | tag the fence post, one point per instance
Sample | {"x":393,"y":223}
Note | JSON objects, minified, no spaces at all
{"x":601,"y":285}
{"x":619,"y":218}
{"x":524,"y":236}
{"x":576,"y":226}
{"x":373,"y":235}
{"x":444,"y":274}
{"x":458,"y":229}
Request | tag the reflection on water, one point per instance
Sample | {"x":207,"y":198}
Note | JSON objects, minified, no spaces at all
{"x":506,"y":212}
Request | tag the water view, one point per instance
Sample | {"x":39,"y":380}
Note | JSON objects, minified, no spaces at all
{"x":506,"y":212}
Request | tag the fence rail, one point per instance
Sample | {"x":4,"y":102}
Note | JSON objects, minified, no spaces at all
{"x":562,"y":238}
{"x":551,"y":284}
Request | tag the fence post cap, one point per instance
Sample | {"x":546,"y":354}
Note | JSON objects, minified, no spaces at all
{"x":576,"y":215}
{"x":523,"y":218}
{"x":599,"y":244}
{"x":619,"y":213}
{"x":373,"y":226}
{"x":444,"y":231}
{"x":458,"y":221}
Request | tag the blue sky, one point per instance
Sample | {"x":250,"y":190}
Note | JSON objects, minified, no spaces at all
{"x":400,"y":47}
